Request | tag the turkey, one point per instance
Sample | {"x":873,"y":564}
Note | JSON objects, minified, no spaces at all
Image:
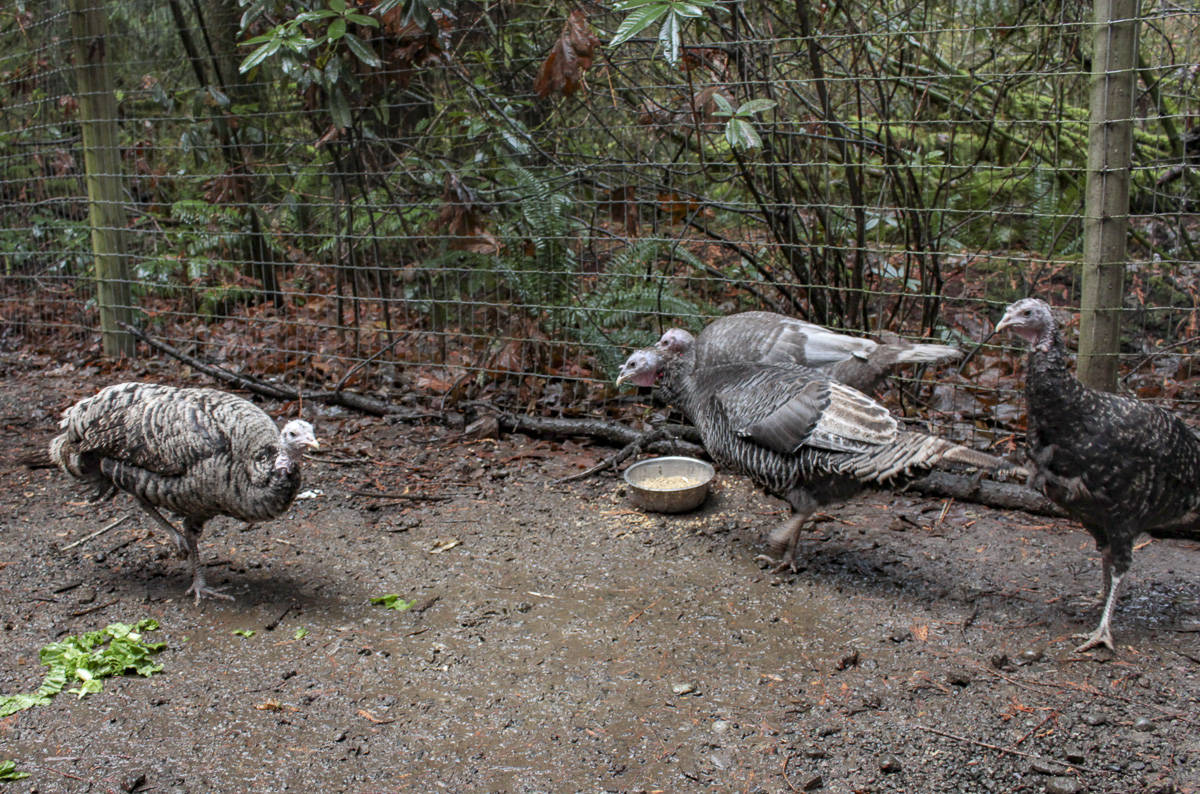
{"x":199,"y":453}
{"x":1117,"y":465}
{"x":795,"y":431}
{"x":770,"y":338}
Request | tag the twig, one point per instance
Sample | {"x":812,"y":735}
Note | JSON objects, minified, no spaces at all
{"x":396,"y":495}
{"x":278,"y":618}
{"x":1157,"y":353}
{"x":97,"y":533}
{"x":615,"y":459}
{"x":278,"y":391}
{"x":1009,"y":750}
{"x":96,"y":608}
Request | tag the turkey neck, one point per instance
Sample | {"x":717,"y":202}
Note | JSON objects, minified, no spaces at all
{"x":675,"y":385}
{"x":1049,"y":384}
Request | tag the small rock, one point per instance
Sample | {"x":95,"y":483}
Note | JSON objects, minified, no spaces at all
{"x":1094,"y":719}
{"x":1029,"y":656}
{"x":958,"y":677}
{"x":890,"y":765}
{"x":1074,"y":754}
{"x":684,"y":688}
{"x":848,"y":660}
{"x":811,"y":783}
{"x":721,"y":760}
{"x":135,"y":782}
{"x":900,"y":636}
{"x":1062,"y":785}
{"x":86,"y":595}
{"x":720,"y":726}
{"x":1144,"y":724}
{"x":999,"y":661}
{"x":1045,"y":768}
{"x":814,"y":751}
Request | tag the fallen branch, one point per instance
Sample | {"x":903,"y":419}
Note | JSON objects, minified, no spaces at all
{"x":653,"y":441}
{"x":1005,"y":495}
{"x":396,"y":495}
{"x":1008,"y":750}
{"x":279,"y":391}
{"x":118,"y":522}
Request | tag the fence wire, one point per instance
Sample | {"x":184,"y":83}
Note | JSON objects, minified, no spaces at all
{"x":495,"y":200}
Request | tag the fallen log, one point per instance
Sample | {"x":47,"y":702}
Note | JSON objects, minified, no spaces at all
{"x":279,"y":391}
{"x":675,"y":439}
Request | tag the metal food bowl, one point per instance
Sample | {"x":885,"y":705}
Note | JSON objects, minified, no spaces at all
{"x":669,"y":485}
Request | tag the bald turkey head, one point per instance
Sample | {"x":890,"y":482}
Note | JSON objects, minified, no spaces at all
{"x":642,"y":368}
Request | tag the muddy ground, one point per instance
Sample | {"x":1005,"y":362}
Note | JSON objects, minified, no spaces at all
{"x":563,"y":641}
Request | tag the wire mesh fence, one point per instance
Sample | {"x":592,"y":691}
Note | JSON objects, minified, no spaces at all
{"x":498,"y":200}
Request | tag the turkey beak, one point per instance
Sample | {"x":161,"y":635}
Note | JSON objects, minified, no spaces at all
{"x":621,"y":378}
{"x":312,"y":443}
{"x":1005,"y":321}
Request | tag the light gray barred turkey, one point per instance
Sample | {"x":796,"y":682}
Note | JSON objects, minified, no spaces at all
{"x":795,"y":432}
{"x":199,"y":453}
{"x":770,"y":338}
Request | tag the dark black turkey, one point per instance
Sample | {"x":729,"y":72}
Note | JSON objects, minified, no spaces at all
{"x":770,"y":338}
{"x":1117,"y":465}
{"x":199,"y":453}
{"x":796,"y":432}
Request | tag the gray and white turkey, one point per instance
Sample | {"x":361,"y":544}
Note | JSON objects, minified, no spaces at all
{"x":794,"y":431}
{"x":199,"y":453}
{"x":770,"y":338}
{"x":1117,"y":465}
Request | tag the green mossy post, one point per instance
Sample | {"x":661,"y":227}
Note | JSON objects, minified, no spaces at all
{"x":1106,"y":206}
{"x":102,"y":164}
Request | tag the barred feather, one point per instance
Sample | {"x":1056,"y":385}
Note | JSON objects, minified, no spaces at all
{"x":770,"y":338}
{"x":199,"y":453}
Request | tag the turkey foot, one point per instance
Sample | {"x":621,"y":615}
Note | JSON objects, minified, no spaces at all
{"x":1101,"y":636}
{"x":202,"y":590}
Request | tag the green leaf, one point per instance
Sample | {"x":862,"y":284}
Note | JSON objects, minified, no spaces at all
{"x":669,"y":38}
{"x":88,"y":659}
{"x":363,"y":51}
{"x":726,"y":108}
{"x":259,"y":55}
{"x":247,"y":633}
{"x":362,"y":19}
{"x":393,"y":601}
{"x":300,"y":633}
{"x":689,"y":10}
{"x":8,"y":771}
{"x":638,"y":21}
{"x":338,"y":6}
{"x":741,"y":134}
{"x":339,"y":108}
{"x":756,"y":106}
{"x":336,"y":29}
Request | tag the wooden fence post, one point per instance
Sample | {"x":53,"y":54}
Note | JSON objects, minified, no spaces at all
{"x":1106,"y":203}
{"x":102,"y":165}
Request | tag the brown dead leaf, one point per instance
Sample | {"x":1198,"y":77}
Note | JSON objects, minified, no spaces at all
{"x":569,"y":58}
{"x":274,"y":705}
{"x":366,"y":715}
{"x":920,"y":633}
